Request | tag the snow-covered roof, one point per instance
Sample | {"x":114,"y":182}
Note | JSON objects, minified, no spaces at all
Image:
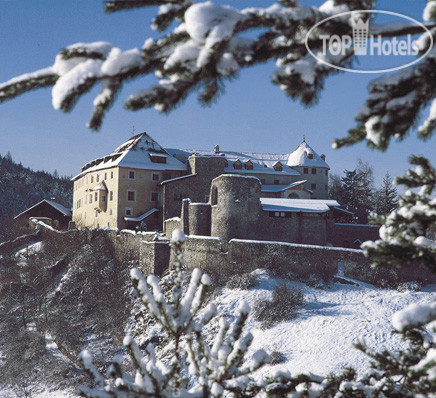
{"x":57,"y":206}
{"x":142,"y":216}
{"x":298,"y":205}
{"x":100,"y":187}
{"x":139,"y":152}
{"x":280,"y":188}
{"x":304,"y":155}
{"x":262,"y":162}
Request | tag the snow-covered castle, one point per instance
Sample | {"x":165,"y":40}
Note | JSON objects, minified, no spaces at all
{"x":212,"y":193}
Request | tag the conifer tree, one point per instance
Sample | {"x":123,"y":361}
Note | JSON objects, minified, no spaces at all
{"x":211,"y":370}
{"x":408,"y":234}
{"x":203,"y":45}
{"x":386,"y":198}
{"x":357,"y":191}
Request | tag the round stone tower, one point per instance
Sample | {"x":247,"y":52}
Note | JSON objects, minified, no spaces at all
{"x":312,"y":168}
{"x":236,"y":206}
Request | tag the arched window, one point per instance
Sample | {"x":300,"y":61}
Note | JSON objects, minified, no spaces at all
{"x":293,"y":195}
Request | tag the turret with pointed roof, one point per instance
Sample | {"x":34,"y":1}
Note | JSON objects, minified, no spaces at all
{"x":305,"y":156}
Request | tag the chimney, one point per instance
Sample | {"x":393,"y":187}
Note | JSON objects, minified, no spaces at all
{"x":322,"y":157}
{"x":216,"y":149}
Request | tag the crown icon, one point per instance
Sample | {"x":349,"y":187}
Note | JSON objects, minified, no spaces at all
{"x":360,"y":36}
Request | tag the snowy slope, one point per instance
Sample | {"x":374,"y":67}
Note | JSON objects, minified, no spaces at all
{"x":320,"y":339}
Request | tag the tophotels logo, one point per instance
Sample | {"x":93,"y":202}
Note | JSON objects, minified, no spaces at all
{"x":393,"y":52}
{"x":360,"y":37}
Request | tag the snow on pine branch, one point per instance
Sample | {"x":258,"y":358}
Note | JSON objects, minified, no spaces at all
{"x":408,"y":235}
{"x":206,"y":48}
{"x":212,"y":369}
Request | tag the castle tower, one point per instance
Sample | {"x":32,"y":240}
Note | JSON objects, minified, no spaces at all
{"x":235,"y":202}
{"x":312,"y":168}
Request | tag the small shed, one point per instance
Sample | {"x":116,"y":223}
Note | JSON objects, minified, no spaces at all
{"x":49,"y":212}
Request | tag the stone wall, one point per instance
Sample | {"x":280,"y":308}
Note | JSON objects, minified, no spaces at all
{"x":302,"y":260}
{"x":238,"y":255}
{"x":349,"y":235}
{"x":153,"y":256}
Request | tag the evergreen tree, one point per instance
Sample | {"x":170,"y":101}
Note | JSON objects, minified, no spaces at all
{"x":196,"y":368}
{"x":386,"y":198}
{"x":408,"y":234}
{"x":207,"y":44}
{"x":335,"y":188}
{"x":357,"y":191}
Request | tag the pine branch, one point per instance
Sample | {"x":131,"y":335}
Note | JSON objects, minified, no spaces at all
{"x":28,"y":82}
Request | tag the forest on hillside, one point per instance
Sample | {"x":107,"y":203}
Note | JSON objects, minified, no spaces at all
{"x":21,"y":187}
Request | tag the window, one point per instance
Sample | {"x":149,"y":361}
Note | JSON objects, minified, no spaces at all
{"x":98,"y":177}
{"x":237,"y":165}
{"x":155,"y":177}
{"x":111,"y":195}
{"x":105,"y":176}
{"x":177,"y":196}
{"x":326,"y":172}
{"x":248,"y":165}
{"x":131,"y":196}
{"x":277,"y":214}
{"x":96,"y":213}
{"x":92,"y":179}
{"x":90,"y":198}
{"x":132,"y":174}
{"x":166,"y":176}
{"x":313,"y":171}
{"x":325,"y":188}
{"x":112,"y":174}
{"x":154,"y":196}
{"x":96,"y":196}
{"x":157,"y":158}
{"x":276,"y":182}
{"x":313,"y":186}
{"x":278,"y":166}
{"x":128,"y":211}
{"x":103,"y":198}
{"x":214,"y":198}
{"x":306,"y":170}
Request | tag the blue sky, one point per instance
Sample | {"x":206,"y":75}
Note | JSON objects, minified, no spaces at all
{"x":253,"y":115}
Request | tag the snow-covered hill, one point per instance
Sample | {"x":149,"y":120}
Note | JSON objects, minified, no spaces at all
{"x":320,"y":339}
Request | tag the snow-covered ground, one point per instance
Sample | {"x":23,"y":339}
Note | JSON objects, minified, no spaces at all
{"x":320,"y":339}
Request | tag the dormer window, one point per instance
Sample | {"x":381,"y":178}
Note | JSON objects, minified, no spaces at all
{"x":237,"y":165}
{"x":157,"y":158}
{"x":248,"y":165}
{"x":278,"y":166}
